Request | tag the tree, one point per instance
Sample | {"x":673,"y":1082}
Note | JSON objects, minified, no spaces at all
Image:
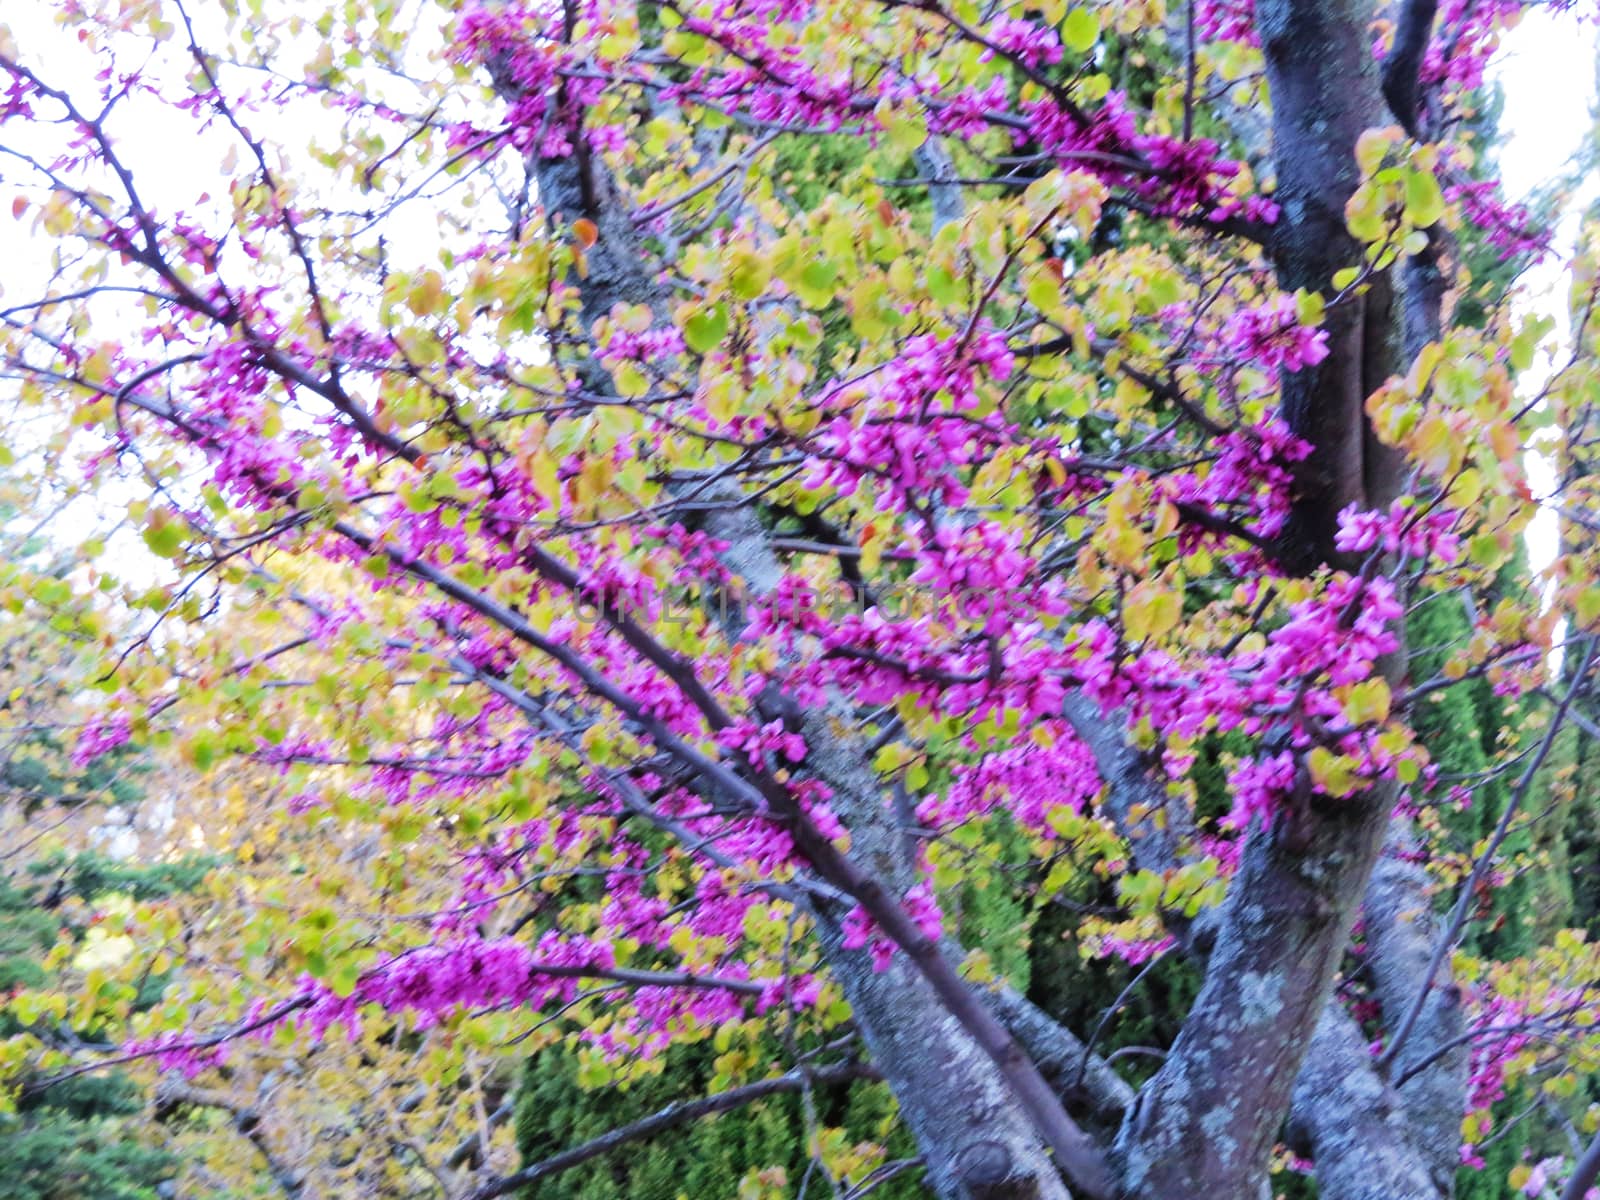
{"x":734,"y":570}
{"x":75,"y":1139}
{"x":205,"y":879}
{"x":127,"y":878}
{"x":81,"y":1137}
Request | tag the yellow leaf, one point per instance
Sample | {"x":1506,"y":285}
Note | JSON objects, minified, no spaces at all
{"x":1435,"y":446}
{"x":1372,"y":145}
{"x":1150,"y":610}
{"x":904,"y":129}
{"x":1368,"y":703}
{"x":1333,"y":774}
{"x":1080,"y":30}
{"x":427,"y":294}
{"x":1424,"y":200}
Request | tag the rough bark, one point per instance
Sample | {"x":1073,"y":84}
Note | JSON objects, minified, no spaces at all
{"x":1155,"y":827}
{"x":1432,"y":1066}
{"x":1352,"y":1124}
{"x":977,"y":1142}
{"x":1324,"y":88}
{"x":1207,"y":1122}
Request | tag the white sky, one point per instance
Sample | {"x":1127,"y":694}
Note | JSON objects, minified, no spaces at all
{"x":1547,"y":69}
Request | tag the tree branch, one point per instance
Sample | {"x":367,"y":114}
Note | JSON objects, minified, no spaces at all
{"x":670,"y":1118}
{"x":1405,"y":60}
{"x":1431,"y":1077}
{"x":1469,"y":887}
{"x":1352,"y":1124}
{"x":1584,"y":1173}
{"x":171,"y":1093}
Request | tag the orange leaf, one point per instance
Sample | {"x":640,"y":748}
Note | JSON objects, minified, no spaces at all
{"x":18,"y":207}
{"x":587,"y":232}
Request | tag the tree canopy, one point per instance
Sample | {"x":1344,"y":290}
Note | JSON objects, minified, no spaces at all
{"x":932,"y":594}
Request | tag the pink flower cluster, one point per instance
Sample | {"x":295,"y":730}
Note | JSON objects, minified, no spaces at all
{"x":910,"y":426}
{"x":1135,"y":952}
{"x":1258,"y":786}
{"x":1172,"y":176}
{"x":1028,"y":42}
{"x":1226,"y":21}
{"x":1468,"y":33}
{"x":1028,"y":782}
{"x":1251,"y":479}
{"x":860,"y":931}
{"x":653,"y":345}
{"x":1271,"y":336}
{"x":181,"y":1052}
{"x":1498,"y":1025}
{"x":1286,"y":689}
{"x":101,"y":736}
{"x":1510,"y":228}
{"x":763,"y":744}
{"x":472,"y":974}
{"x":1401,"y":530}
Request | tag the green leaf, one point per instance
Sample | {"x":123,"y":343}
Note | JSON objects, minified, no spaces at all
{"x":749,"y":275}
{"x":1080,"y":31}
{"x":816,"y":282}
{"x":1424,"y":200}
{"x":1333,"y":774}
{"x":704,"y":330}
{"x":1309,"y":306}
{"x":344,"y":976}
{"x":1364,"y":215}
{"x":1485,"y":551}
{"x":1044,"y":292}
{"x":942,"y":285}
{"x":164,"y":537}
{"x":904,"y":130}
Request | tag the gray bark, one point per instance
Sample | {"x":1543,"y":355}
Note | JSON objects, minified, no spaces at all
{"x":933,"y":160}
{"x":1208,"y":1120}
{"x":1156,"y":828}
{"x":1353,"y":1124}
{"x":1401,"y":930}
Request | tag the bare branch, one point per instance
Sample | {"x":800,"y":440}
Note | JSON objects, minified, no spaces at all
{"x":669,"y":1118}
